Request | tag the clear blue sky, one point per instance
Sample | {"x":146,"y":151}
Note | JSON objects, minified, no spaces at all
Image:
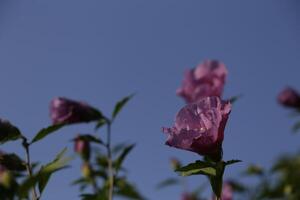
{"x":100,"y":51}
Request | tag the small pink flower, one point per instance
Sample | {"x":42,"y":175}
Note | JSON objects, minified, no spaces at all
{"x":289,"y":98}
{"x":207,"y":79}
{"x":63,"y":110}
{"x":199,"y":127}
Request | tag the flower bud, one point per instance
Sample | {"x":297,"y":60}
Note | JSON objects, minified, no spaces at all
{"x":86,"y":170}
{"x":63,"y":110}
{"x":289,"y":98}
{"x":175,"y":164}
{"x":6,"y":178}
{"x":82,"y":147}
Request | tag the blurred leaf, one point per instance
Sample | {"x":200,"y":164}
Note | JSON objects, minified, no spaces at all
{"x":120,"y":159}
{"x":46,"y":131}
{"x":82,"y":182}
{"x":230,"y":162}
{"x":199,"y":167}
{"x":8,"y":132}
{"x":101,"y":173}
{"x":125,"y":189}
{"x":233,"y":99}
{"x":120,"y":105}
{"x":12,"y":162}
{"x":236,"y":186}
{"x":43,"y":181}
{"x":79,"y":181}
{"x":119,"y":147}
{"x":98,"y":196}
{"x":26,"y":186}
{"x":254,"y":170}
{"x":100,"y":123}
{"x":168,"y":182}
{"x":296,"y":127}
{"x":102,"y":161}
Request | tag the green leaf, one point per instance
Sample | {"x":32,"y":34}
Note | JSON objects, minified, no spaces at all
{"x":121,"y":158}
{"x":46,"y":131}
{"x":101,"y":123}
{"x":231,"y":162}
{"x":168,"y":182}
{"x":126,"y":189}
{"x":199,"y":167}
{"x":8,"y":132}
{"x":120,"y":105}
{"x":60,"y":162}
{"x":12,"y":162}
{"x":233,"y":99}
{"x":43,"y":181}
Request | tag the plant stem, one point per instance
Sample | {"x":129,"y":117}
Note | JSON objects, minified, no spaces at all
{"x":28,"y":166}
{"x":110,"y":164}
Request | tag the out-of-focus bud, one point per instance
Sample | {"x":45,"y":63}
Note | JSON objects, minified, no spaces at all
{"x":289,"y":98}
{"x":175,"y":163}
{"x":86,"y":170}
{"x":82,"y":147}
{"x":207,"y":79}
{"x":6,"y":177}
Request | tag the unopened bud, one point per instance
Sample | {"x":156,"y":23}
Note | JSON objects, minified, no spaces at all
{"x":82,"y":147}
{"x":175,"y":164}
{"x":86,"y":170}
{"x":6,"y":178}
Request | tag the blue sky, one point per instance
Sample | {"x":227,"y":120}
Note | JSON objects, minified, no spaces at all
{"x":100,"y":51}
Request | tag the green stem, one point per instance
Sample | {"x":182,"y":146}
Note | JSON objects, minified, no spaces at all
{"x":110,"y":164}
{"x":28,"y":166}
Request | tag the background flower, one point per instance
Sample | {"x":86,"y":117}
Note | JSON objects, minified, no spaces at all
{"x":289,"y":97}
{"x":207,"y":79}
{"x":63,"y":110}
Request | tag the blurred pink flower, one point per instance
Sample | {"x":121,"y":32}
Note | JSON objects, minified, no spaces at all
{"x":63,"y":110}
{"x":289,"y":98}
{"x":199,"y":127}
{"x":207,"y":79}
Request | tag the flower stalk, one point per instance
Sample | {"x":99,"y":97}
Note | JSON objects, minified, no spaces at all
{"x":110,"y":164}
{"x":28,"y":165}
